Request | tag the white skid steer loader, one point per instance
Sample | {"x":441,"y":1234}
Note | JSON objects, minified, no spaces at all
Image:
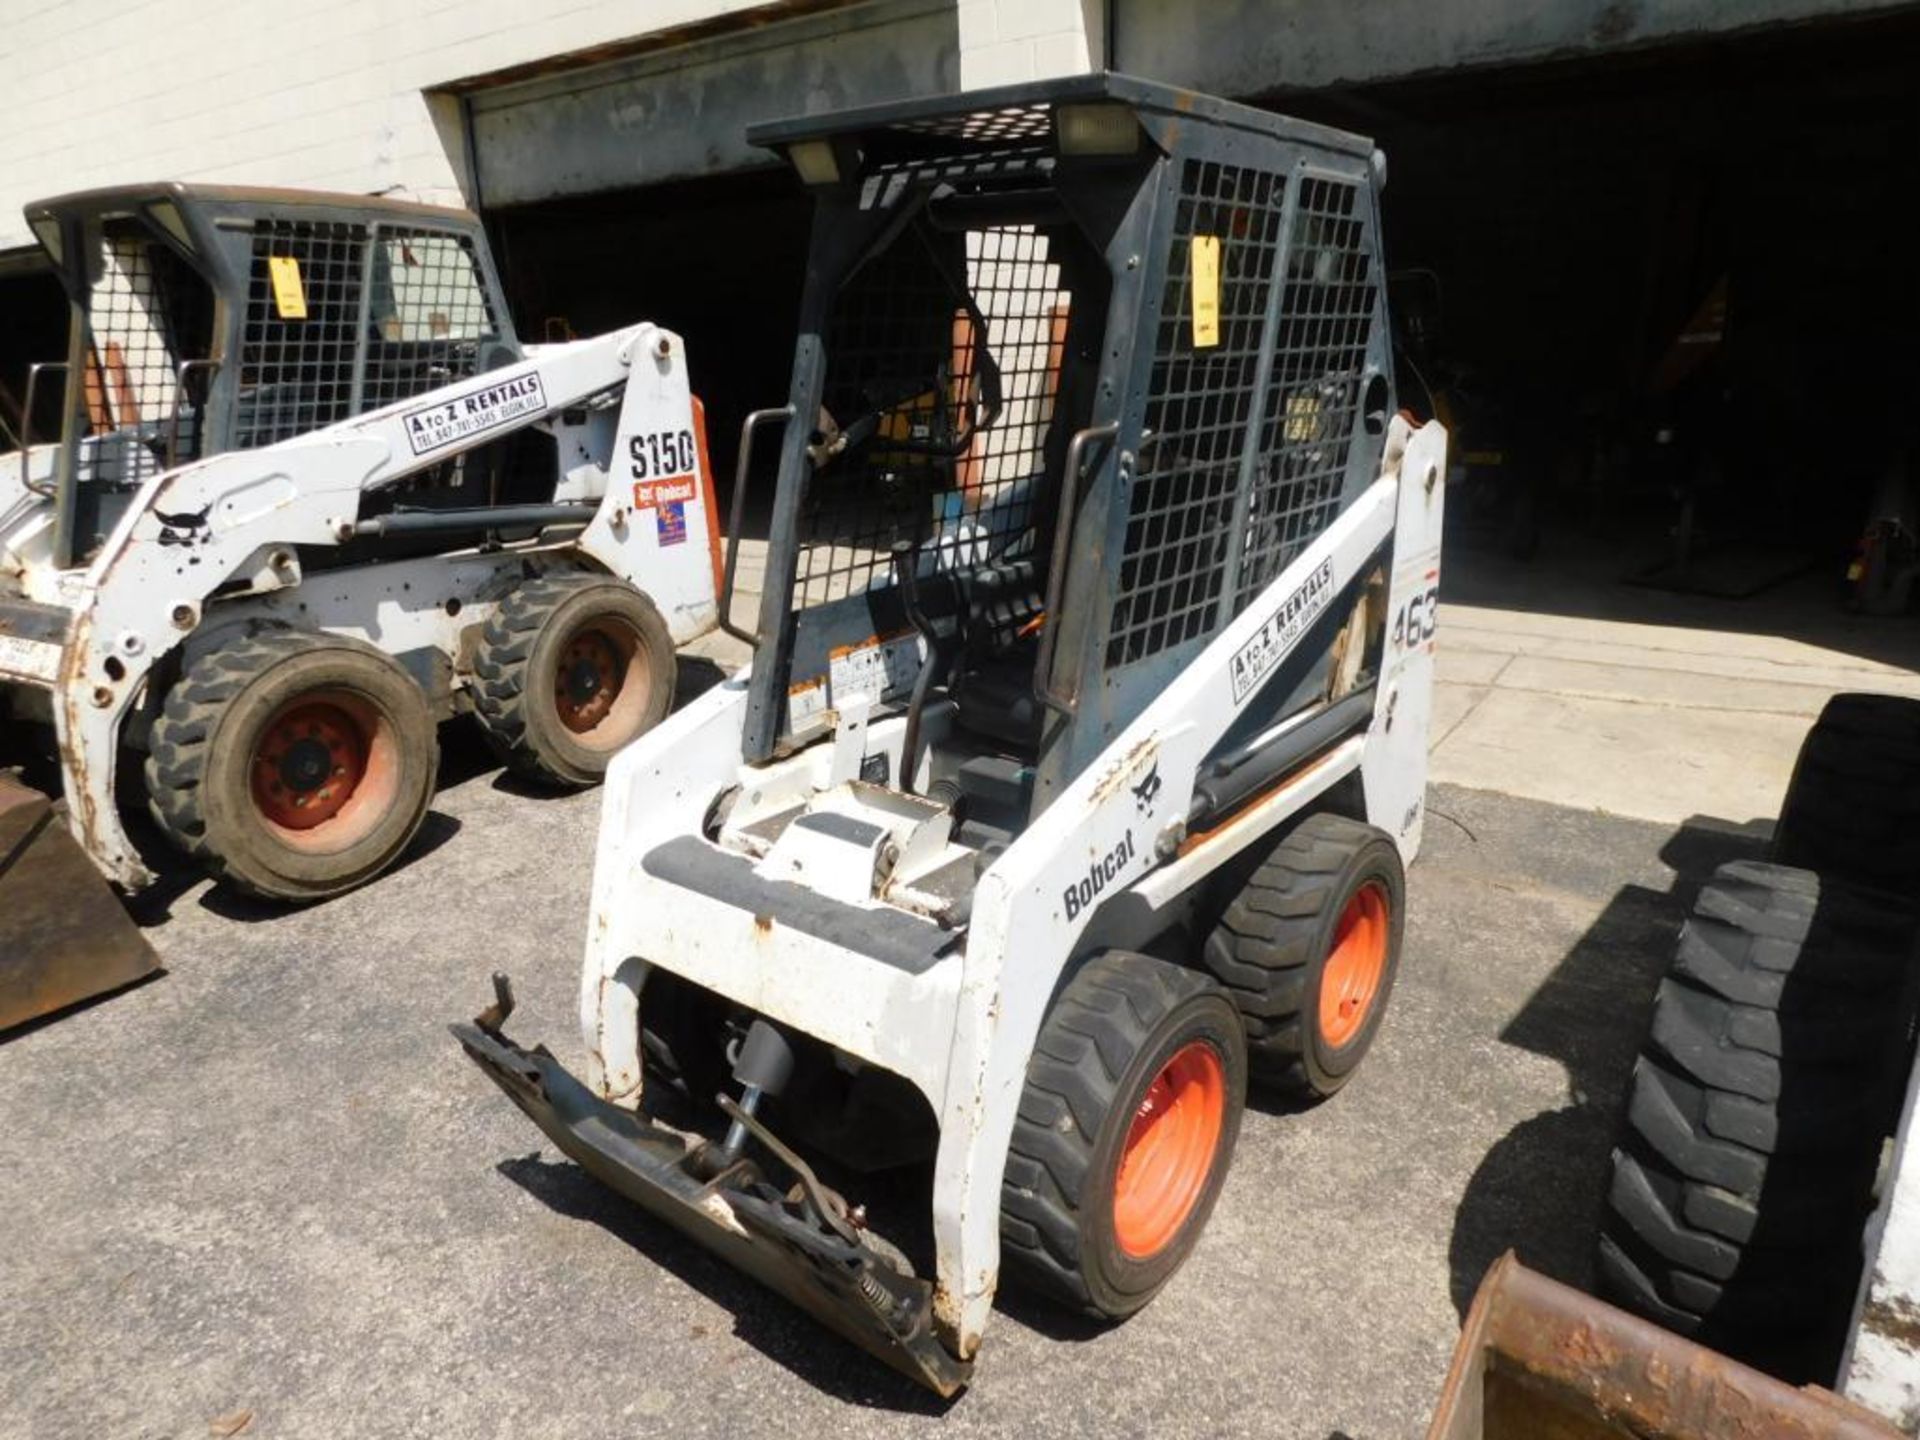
{"x":1083,"y":748}
{"x":311,"y":496}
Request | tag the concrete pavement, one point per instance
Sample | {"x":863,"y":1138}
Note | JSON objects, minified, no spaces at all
{"x":267,"y":1185}
{"x":1573,"y":690}
{"x":268,"y":1182}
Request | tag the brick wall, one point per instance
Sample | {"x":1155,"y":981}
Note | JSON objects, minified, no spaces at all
{"x":1004,"y":41}
{"x":325,"y":95}
{"x":330,"y":95}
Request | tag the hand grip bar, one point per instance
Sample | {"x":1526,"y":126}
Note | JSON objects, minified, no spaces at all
{"x":1044,"y":689}
{"x":747,"y":428}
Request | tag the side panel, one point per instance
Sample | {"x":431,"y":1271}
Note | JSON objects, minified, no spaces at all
{"x":657,"y":526}
{"x":1395,"y":770}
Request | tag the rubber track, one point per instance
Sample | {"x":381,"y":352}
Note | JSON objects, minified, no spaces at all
{"x":1853,"y":808}
{"x":1756,"y":1112}
{"x":1101,"y":1020}
{"x":1260,"y":950}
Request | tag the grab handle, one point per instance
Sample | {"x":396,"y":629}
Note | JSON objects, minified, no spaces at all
{"x":747,"y":428}
{"x":1057,"y":568}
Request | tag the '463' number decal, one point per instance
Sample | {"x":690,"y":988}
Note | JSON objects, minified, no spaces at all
{"x":663,"y":453}
{"x":1414,"y":624}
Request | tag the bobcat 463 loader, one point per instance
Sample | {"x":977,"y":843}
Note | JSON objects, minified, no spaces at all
{"x":1083,"y":745}
{"x":310,"y":496}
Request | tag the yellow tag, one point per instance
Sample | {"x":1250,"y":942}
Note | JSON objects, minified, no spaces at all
{"x":1206,"y":291}
{"x":289,"y":295}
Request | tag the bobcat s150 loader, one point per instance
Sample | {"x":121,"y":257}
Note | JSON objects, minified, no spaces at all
{"x":310,"y":496}
{"x":1084,"y":742}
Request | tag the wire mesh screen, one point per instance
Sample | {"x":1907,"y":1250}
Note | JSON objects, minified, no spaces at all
{"x":300,"y":336}
{"x":429,"y":315}
{"x":341,"y":319}
{"x":1314,"y":395}
{"x":1199,"y":408}
{"x":943,"y":365}
{"x":149,"y":314}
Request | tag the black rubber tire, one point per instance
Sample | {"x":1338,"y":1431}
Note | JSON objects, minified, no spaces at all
{"x":1852,"y":810}
{"x":201,"y":750}
{"x":1272,"y":942}
{"x":526,"y":638}
{"x":1110,"y":1031}
{"x":1756,"y":1117}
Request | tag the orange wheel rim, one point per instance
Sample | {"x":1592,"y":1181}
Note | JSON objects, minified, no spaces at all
{"x":1169,"y":1150}
{"x":592,"y":672}
{"x":309,"y":762}
{"x":1350,"y":979}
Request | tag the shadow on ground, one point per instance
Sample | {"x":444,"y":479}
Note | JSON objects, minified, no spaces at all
{"x":1538,"y":1191}
{"x":774,"y":1327}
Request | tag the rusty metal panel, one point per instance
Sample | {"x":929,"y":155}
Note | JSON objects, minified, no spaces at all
{"x":1538,"y":1360}
{"x":683,"y":112}
{"x":63,"y":934}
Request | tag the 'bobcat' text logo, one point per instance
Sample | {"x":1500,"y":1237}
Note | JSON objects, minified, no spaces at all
{"x":1100,"y":874}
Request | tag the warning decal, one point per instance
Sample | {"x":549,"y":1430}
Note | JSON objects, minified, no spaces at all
{"x":671,"y":520}
{"x":474,"y":414}
{"x":874,"y":668}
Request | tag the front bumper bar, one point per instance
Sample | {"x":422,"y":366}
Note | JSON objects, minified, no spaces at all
{"x":736,"y":1214}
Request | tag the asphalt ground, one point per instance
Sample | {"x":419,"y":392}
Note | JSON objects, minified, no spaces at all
{"x":267,"y":1186}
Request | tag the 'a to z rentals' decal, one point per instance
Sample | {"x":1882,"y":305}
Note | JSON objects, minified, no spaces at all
{"x":1253,"y":660}
{"x":433,"y":426}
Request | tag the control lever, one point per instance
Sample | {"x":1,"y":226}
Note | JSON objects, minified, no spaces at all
{"x":906,"y":568}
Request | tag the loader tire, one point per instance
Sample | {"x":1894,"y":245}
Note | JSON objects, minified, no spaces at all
{"x":294,"y":765}
{"x":1308,"y":950}
{"x":570,"y":670}
{"x":1125,"y":1129}
{"x":1853,"y":807}
{"x":1757,"y":1114}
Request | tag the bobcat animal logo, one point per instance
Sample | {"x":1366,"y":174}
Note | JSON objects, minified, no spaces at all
{"x":187,"y":527}
{"x":1144,"y":792}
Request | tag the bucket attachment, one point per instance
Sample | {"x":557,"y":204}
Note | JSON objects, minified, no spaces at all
{"x":1538,"y":1359}
{"x":63,"y":934}
{"x":799,"y":1241}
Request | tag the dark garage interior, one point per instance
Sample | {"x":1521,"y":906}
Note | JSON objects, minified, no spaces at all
{"x":1664,"y":302}
{"x":719,"y":260}
{"x":34,"y":331}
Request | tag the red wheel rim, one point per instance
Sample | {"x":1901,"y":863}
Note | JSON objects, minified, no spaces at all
{"x":594,"y":668}
{"x":1169,"y":1150}
{"x":1350,"y":978}
{"x":310,"y":761}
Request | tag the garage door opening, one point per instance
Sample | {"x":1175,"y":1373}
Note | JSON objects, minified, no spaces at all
{"x":1665,"y":303}
{"x":719,"y":260}
{"x":35,"y":333}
